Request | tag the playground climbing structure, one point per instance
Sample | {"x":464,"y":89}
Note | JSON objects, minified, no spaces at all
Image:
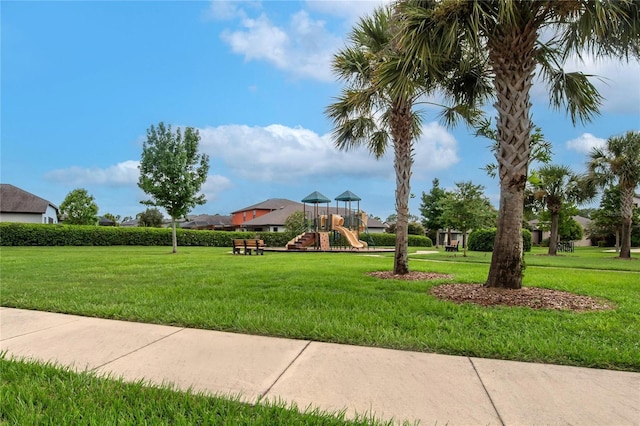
{"x":327,"y":231}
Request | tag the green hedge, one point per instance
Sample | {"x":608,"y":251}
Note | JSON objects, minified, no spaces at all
{"x":29,"y":234}
{"x":24,"y":234}
{"x":389,"y":240}
{"x":483,"y":239}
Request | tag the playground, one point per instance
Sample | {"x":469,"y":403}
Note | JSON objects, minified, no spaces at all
{"x":341,"y":228}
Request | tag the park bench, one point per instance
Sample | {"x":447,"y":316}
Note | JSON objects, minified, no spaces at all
{"x":565,"y":246}
{"x":246,"y":246}
{"x":452,"y":247}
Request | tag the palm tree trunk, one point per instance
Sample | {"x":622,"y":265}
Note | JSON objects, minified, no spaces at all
{"x":626,"y":201}
{"x":506,"y":268}
{"x":553,"y":238}
{"x":512,"y":55}
{"x":400,"y":123}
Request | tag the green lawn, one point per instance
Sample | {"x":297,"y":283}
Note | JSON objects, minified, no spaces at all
{"x":582,"y":258}
{"x":34,"y":394}
{"x":329,"y":297}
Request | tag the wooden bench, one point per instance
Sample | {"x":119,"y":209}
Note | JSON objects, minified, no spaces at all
{"x":452,"y":247}
{"x":246,"y":246}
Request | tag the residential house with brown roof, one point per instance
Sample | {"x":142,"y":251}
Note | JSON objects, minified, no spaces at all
{"x":270,"y":216}
{"x":18,"y":205}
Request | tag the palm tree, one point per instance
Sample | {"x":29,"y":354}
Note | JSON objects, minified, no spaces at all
{"x":375,"y":108}
{"x":619,"y":160}
{"x":556,"y":186}
{"x":511,"y":32}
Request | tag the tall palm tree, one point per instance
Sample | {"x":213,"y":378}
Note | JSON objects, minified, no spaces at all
{"x":556,"y":186}
{"x":374,"y":111}
{"x":511,"y":32}
{"x":619,"y":160}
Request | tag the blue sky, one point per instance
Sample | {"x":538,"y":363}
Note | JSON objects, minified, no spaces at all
{"x":82,"y":81}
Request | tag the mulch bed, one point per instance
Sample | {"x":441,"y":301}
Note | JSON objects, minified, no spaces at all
{"x":531,"y":297}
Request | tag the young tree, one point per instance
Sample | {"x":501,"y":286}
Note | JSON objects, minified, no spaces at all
{"x":607,"y":219}
{"x":79,"y":208}
{"x":568,"y":228}
{"x":432,"y":211}
{"x":518,"y":37}
{"x":172,"y":172}
{"x":295,"y":223}
{"x":467,"y":208}
{"x":150,"y":218}
{"x":619,"y":161}
{"x":378,"y":104}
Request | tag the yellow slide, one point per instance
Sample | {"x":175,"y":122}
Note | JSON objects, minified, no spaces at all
{"x":351,"y":238}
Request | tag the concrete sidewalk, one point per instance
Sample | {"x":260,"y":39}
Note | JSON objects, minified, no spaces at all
{"x":410,"y":386}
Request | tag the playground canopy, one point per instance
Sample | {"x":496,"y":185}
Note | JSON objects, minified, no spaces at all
{"x":315,"y":198}
{"x":347,"y":197}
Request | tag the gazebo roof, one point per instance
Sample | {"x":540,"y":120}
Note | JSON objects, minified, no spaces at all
{"x":315,"y":198}
{"x":348,"y":196}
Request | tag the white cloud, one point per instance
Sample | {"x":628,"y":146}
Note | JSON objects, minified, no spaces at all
{"x":304,"y":48}
{"x":230,"y":9}
{"x":349,"y":10}
{"x":436,"y":149}
{"x":585,"y":143}
{"x":618,"y":82}
{"x":122,"y":174}
{"x":125,"y":174}
{"x":283,"y":154}
{"x":260,"y":40}
{"x":215,"y":185}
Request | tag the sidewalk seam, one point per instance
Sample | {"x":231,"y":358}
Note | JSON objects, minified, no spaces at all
{"x":486,"y":391}
{"x":39,"y":330}
{"x":137,"y":349}
{"x":262,"y":395}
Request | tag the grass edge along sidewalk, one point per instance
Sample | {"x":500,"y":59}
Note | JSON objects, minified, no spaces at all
{"x":37,"y":393}
{"x":330,"y":298}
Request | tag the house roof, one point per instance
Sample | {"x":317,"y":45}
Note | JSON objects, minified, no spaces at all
{"x":16,"y":200}
{"x":583,"y":221}
{"x":275,"y":217}
{"x":205,"y":220}
{"x":270,"y":204}
{"x":103,"y":221}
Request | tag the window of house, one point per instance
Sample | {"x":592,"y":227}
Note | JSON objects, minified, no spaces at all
{"x":254,"y":214}
{"x":244,"y":216}
{"x":275,"y":229}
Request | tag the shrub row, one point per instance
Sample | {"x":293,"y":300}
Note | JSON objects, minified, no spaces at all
{"x":483,"y":239}
{"x":28,"y":234}
{"x":24,"y":234}
{"x":389,"y":240}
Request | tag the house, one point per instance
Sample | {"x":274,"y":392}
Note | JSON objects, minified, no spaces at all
{"x":270,"y":216}
{"x":17,"y":205}
{"x":239,"y":217}
{"x":103,"y":221}
{"x":214,"y":222}
{"x":538,"y":235}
